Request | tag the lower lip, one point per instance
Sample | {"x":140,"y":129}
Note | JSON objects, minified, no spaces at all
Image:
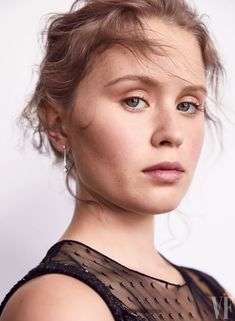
{"x":167,"y":176}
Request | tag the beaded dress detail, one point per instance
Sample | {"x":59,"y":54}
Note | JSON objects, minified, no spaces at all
{"x":132,"y":295}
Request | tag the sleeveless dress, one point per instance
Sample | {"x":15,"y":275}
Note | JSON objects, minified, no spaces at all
{"x":132,"y":295}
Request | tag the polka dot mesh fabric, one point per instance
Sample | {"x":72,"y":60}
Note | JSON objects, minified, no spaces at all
{"x":132,"y":295}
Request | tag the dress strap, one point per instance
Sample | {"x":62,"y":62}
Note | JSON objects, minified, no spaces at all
{"x":119,"y":310}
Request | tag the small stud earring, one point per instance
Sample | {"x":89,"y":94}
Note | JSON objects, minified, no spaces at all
{"x":65,"y":160}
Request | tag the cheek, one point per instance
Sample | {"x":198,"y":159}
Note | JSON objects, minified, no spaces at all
{"x":106,"y":146}
{"x":195,"y":145}
{"x":107,"y":156}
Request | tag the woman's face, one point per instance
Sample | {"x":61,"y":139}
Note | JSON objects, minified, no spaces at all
{"x":125,"y":134}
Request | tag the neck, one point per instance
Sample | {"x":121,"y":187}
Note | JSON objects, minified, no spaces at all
{"x":117,"y":233}
{"x":124,"y":236}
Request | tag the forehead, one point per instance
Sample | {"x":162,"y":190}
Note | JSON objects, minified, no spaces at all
{"x":182,"y":60}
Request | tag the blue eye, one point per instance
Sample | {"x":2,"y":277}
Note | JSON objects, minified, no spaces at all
{"x":186,"y":106}
{"x":135,"y":103}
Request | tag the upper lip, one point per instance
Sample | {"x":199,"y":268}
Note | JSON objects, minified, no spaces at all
{"x":166,"y":165}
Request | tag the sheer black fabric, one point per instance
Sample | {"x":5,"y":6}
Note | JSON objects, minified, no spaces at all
{"x":132,"y":295}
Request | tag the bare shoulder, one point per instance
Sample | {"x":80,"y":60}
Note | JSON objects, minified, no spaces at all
{"x":56,"y":297}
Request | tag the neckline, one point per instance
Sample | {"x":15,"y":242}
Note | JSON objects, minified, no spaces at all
{"x":129,"y":269}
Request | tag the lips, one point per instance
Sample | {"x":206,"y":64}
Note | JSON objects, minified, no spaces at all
{"x":176,"y":166}
{"x":165,"y":172}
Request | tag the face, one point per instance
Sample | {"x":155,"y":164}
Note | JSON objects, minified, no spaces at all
{"x":140,"y":113}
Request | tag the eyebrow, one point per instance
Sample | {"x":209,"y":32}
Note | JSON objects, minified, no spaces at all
{"x":150,"y":82}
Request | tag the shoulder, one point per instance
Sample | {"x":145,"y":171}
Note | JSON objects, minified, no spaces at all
{"x":205,"y":281}
{"x":203,"y":276}
{"x":56,"y":297}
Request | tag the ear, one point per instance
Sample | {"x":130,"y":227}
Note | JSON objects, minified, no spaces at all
{"x":56,"y":126}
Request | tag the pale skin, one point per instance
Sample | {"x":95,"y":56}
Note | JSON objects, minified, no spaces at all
{"x":119,"y":143}
{"x":110,"y":155}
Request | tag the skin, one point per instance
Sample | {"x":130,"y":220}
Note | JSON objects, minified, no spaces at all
{"x":119,"y":143}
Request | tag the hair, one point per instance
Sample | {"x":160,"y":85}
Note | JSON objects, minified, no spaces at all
{"x":74,"y":40}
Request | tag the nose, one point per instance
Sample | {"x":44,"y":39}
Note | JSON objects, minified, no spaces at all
{"x":167,"y":129}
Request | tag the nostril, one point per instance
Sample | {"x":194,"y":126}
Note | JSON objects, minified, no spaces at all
{"x":165,"y":142}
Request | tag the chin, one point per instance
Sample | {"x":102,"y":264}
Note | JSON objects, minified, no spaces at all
{"x":164,"y":202}
{"x":164,"y":210}
{"x":153,"y":208}
{"x":169,"y":205}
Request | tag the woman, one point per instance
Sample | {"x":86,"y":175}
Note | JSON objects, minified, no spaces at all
{"x":121,"y":97}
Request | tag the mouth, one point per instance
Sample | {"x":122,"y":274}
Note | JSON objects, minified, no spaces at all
{"x":167,"y":172}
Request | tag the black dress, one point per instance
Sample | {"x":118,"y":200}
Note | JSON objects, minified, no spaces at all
{"x":132,"y":295}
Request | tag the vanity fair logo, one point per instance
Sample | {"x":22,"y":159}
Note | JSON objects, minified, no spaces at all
{"x":224,"y":303}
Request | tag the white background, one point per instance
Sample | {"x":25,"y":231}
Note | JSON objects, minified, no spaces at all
{"x":35,"y":207}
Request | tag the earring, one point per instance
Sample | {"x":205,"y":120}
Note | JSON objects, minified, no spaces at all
{"x":65,"y":160}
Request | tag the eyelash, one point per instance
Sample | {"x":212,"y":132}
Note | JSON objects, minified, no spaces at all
{"x":199,"y":107}
{"x":134,"y":97}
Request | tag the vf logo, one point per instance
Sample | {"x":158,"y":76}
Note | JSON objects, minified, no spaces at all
{"x":223,"y":304}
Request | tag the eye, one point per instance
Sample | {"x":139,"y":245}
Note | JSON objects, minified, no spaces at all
{"x":185,"y":106}
{"x":135,"y":103}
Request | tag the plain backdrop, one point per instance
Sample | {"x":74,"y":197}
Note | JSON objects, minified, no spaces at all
{"x":35,"y":207}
